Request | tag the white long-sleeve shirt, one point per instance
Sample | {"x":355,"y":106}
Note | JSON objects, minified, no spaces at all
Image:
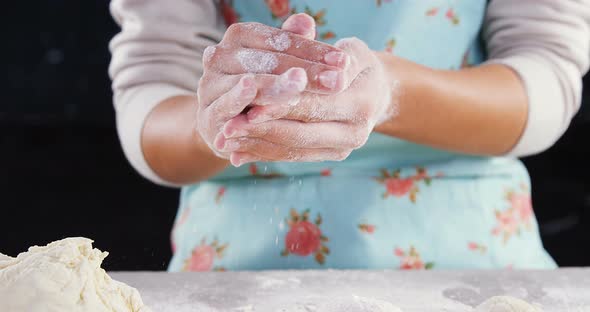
{"x":546,"y":42}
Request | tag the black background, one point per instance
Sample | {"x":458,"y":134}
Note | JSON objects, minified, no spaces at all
{"x":64,"y":174}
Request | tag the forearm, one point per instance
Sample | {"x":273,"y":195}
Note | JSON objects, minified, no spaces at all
{"x":172,"y":146}
{"x":480,"y":110}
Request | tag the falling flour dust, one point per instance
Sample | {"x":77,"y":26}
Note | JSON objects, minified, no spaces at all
{"x":257,"y":62}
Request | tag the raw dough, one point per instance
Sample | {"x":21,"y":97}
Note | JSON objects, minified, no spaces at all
{"x":63,"y":276}
{"x":505,"y":304}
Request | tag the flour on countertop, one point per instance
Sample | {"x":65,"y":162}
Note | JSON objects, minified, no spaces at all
{"x":356,"y":304}
{"x":505,"y":304}
{"x":269,"y":282}
{"x":375,"y":305}
{"x":248,"y":308}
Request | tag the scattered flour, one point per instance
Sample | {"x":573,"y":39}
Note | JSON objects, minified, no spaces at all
{"x":266,"y":283}
{"x":269,"y":282}
{"x":248,"y":308}
{"x":505,"y":304}
{"x":257,"y":62}
{"x":280,"y":42}
{"x":375,"y":305}
{"x":356,"y":304}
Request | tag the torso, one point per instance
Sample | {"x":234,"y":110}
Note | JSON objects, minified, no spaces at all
{"x":392,"y":204}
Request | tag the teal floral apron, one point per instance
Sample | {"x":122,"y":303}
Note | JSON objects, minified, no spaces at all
{"x":391,"y":204}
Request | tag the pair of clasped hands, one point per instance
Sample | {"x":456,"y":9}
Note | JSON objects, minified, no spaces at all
{"x":306,"y":100}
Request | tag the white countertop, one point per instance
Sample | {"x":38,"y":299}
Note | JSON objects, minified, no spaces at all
{"x":563,"y":290}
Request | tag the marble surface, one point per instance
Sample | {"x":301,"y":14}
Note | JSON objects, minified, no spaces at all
{"x":566,"y":290}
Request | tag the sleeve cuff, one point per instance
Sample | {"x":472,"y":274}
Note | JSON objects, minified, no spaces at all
{"x":545,"y":121}
{"x":138,"y":104}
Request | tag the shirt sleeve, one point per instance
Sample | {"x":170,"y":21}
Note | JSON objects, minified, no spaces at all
{"x":157,"y":55}
{"x":547,"y":43}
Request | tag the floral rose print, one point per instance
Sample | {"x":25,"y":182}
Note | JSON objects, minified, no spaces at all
{"x":279,"y":8}
{"x":256,"y":172}
{"x":397,"y":186}
{"x":522,"y":204}
{"x":366,"y":228}
{"x":317,"y":16}
{"x":305,"y":237}
{"x":432,"y":11}
{"x":181,"y":220}
{"x":320,"y":20}
{"x":220,"y":194}
{"x":390,"y":45}
{"x":327,"y":35}
{"x":229,"y":14}
{"x":519,"y":213}
{"x":507,"y":224}
{"x":400,"y":187}
{"x":203,"y":256}
{"x":450,"y":14}
{"x":473,"y":246}
{"x":411,"y":260}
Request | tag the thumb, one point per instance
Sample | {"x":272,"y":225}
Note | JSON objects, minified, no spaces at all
{"x":301,"y":24}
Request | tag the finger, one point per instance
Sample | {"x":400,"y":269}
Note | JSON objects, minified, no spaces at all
{"x":272,"y":89}
{"x":285,"y":90}
{"x":300,"y":24}
{"x":234,"y":101}
{"x":240,"y":159}
{"x":263,"y":37}
{"x":322,"y":78}
{"x":298,"y":134}
{"x":360,"y":58}
{"x":312,"y":108}
{"x":267,"y":151}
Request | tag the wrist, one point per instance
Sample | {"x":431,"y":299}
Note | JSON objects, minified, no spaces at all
{"x":172,"y":145}
{"x":407,"y":82}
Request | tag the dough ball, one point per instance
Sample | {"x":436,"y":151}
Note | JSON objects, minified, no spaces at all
{"x":63,"y":276}
{"x":505,"y":304}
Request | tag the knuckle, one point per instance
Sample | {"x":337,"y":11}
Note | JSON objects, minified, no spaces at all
{"x":233,"y":31}
{"x":204,"y":81}
{"x":212,"y":56}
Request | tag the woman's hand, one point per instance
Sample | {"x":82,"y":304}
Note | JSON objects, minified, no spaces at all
{"x":319,"y":127}
{"x":257,"y":65}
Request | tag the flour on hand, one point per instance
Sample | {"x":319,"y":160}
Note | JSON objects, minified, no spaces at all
{"x":63,"y":276}
{"x":257,"y":62}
